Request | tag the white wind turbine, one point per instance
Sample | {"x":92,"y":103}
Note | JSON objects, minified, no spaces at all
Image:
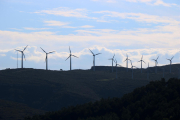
{"x":127,"y":62}
{"x":116,"y":67}
{"x":156,"y":63}
{"x":94,"y":59}
{"x":112,"y":61}
{"x":70,"y":56}
{"x":23,"y":55}
{"x":141,"y":62}
{"x":46,"y":59}
{"x":132,"y":68}
{"x":170,"y":60}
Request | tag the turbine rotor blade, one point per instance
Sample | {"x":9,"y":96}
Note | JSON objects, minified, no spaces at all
{"x":113,"y":56}
{"x":172,"y":57}
{"x":68,"y":57}
{"x":144,"y":62}
{"x":18,"y":50}
{"x":142,"y":57}
{"x":25,"y":48}
{"x":115,"y":61}
{"x":131,"y":62}
{"x":98,"y":54}
{"x":69,"y":49}
{"x":74,"y":56}
{"x":157,"y":57}
{"x":91,"y":52}
{"x":52,"y":51}
{"x":43,"y":50}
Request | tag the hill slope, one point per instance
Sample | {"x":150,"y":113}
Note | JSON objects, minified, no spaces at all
{"x":16,"y":111}
{"x":52,"y":90}
{"x":159,"y":100}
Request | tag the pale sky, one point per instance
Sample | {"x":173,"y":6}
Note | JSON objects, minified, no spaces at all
{"x":135,"y":27}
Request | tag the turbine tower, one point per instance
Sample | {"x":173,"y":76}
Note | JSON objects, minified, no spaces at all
{"x":116,"y":67}
{"x":112,"y":61}
{"x":132,"y":68}
{"x":46,"y":59}
{"x":127,"y":62}
{"x":70,"y":56}
{"x":23,"y":55}
{"x":156,"y":63}
{"x":170,"y":60}
{"x":141,"y":62}
{"x":94,"y":59}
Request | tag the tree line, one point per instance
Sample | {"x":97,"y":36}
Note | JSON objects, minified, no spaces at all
{"x":159,"y":100}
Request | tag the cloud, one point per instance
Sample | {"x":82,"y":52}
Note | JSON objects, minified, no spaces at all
{"x":154,"y":2}
{"x":160,"y":2}
{"x":35,"y":57}
{"x":15,"y":29}
{"x":27,"y":28}
{"x":159,"y":37}
{"x":67,"y":12}
{"x":55,"y":23}
{"x":87,"y":26}
{"x":140,"y":17}
{"x":108,"y":1}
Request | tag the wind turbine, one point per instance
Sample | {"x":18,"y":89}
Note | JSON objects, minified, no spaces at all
{"x":23,"y":55}
{"x":94,"y":59}
{"x":70,"y":56}
{"x":141,"y":62}
{"x":156,"y":63}
{"x":116,"y":67}
{"x":46,"y":59}
{"x":127,"y":62}
{"x":170,"y":60}
{"x":132,"y":68}
{"x":112,"y":61}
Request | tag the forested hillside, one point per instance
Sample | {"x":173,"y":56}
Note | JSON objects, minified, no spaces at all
{"x":159,"y":100}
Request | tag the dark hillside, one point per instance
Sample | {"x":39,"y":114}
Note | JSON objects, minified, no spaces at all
{"x":159,"y":100}
{"x":16,"y":111}
{"x":52,"y":90}
{"x":43,"y":89}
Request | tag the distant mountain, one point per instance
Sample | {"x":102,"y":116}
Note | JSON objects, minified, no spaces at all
{"x":53,"y":90}
{"x":158,"y":100}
